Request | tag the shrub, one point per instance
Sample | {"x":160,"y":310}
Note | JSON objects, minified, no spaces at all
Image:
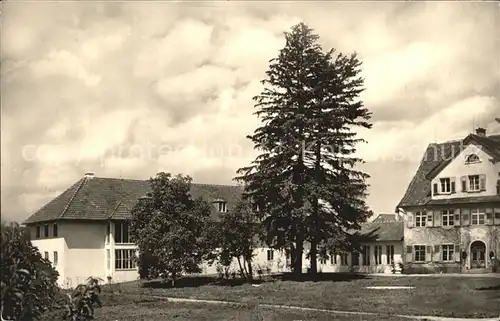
{"x":81,"y":302}
{"x":28,"y":281}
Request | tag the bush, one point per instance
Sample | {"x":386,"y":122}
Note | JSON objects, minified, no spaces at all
{"x":81,"y":302}
{"x":28,"y":281}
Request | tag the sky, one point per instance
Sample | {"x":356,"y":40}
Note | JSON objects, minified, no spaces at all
{"x":129,"y":89}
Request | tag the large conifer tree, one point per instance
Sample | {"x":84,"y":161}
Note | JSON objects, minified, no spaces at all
{"x":304,"y":180}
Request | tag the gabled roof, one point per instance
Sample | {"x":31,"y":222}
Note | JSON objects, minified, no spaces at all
{"x":385,"y":218}
{"x":382,"y":231}
{"x":100,"y":198}
{"x":436,"y":157}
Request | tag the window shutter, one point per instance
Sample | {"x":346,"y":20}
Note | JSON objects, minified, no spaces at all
{"x":409,"y":220}
{"x":437,"y":218}
{"x":464,"y":183}
{"x":456,"y":221}
{"x":498,"y":187}
{"x":453,"y":183}
{"x":409,"y":254}
{"x":428,"y":253}
{"x":430,"y":221}
{"x":465,"y":216}
{"x":482,"y":182}
{"x":457,"y":253}
{"x":436,"y":189}
{"x":437,"y":253}
{"x":489,"y":216}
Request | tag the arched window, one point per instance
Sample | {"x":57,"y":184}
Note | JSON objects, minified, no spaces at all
{"x":472,"y":158}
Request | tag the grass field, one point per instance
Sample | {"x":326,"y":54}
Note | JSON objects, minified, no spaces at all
{"x":435,"y":296}
{"x":134,"y":307}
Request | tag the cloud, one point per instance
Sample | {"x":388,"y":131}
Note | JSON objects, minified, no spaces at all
{"x":129,"y":89}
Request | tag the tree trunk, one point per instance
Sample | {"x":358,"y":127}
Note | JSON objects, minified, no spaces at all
{"x":242,"y":271}
{"x":313,"y":256}
{"x":250,"y":271}
{"x":297,"y":263}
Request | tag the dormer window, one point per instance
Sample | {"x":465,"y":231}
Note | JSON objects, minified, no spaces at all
{"x":221,"y":205}
{"x":472,"y":158}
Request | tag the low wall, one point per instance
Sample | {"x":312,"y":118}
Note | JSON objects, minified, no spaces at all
{"x":431,"y":268}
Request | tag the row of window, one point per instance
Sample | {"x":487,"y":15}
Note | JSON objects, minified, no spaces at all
{"x":453,"y":217}
{"x":55,"y":257}
{"x":46,"y":234}
{"x":420,"y":252}
{"x":124,"y":260}
{"x":365,"y":252}
{"x":470,"y":183}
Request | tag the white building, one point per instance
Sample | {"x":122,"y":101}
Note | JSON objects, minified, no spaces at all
{"x":84,"y":232}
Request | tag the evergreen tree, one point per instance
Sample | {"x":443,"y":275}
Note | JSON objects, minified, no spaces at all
{"x":305,"y":180}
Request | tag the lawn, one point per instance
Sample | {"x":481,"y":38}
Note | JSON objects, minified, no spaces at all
{"x":435,"y":296}
{"x":137,"y":308}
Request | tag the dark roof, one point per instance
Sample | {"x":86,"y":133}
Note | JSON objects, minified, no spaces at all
{"x":113,"y":198}
{"x":466,"y":200}
{"x":435,"y":158}
{"x":382,"y":231}
{"x":385,"y":218}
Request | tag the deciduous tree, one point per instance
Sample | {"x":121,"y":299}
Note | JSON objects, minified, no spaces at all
{"x":29,"y":282}
{"x":171,"y":229}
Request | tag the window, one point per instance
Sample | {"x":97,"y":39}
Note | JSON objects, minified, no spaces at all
{"x":124,"y":260}
{"x":474,"y":183}
{"x":56,"y":258}
{"x":45,"y":231}
{"x":122,"y":232}
{"x":448,"y":216}
{"x":270,"y":255}
{"x":447,"y":252}
{"x":333,"y":258}
{"x":108,"y":231}
{"x":472,"y":158}
{"x":378,"y":254}
{"x":354,"y":259}
{"x":343,"y":258}
{"x":478,"y":216}
{"x":46,"y":255}
{"x":420,"y":218}
{"x":445,"y":185}
{"x":38,"y":232}
{"x":221,"y":206}
{"x":366,"y":255}
{"x":419,"y":253}
{"x":54,"y":230}
{"x":390,"y":254}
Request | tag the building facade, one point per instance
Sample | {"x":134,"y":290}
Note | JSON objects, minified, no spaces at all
{"x":84,"y":232}
{"x":452,"y":208}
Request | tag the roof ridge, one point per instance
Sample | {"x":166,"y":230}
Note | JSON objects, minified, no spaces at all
{"x":147,"y":180}
{"x":72,"y":198}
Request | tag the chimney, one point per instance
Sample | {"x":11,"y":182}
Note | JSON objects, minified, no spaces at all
{"x":89,"y":175}
{"x":481,"y":132}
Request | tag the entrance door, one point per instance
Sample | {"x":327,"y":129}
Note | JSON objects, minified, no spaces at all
{"x":478,"y":255}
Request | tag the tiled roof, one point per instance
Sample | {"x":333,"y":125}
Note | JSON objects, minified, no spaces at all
{"x":382,"y":231}
{"x":437,"y":156}
{"x":466,"y":200}
{"x":112,"y":198}
{"x":385,"y":218}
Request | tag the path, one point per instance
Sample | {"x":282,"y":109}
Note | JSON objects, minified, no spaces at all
{"x":461,"y":275}
{"x":275,"y":306}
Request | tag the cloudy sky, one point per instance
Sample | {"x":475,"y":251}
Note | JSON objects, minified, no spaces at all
{"x":132,"y":88}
